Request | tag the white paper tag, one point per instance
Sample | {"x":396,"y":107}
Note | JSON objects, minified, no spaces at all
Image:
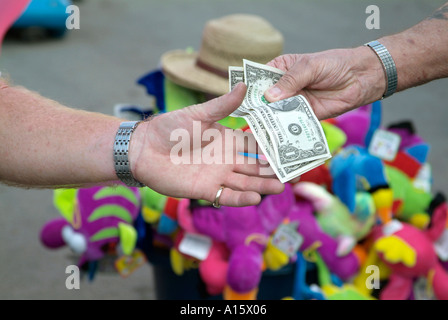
{"x":422,"y":290}
{"x":423,"y":180}
{"x":287,"y":239}
{"x":384,"y":144}
{"x":392,"y":227}
{"x":441,"y":246}
{"x":195,"y":245}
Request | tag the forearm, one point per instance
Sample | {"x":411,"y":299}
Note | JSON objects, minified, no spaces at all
{"x":421,"y":52}
{"x":44,"y":144}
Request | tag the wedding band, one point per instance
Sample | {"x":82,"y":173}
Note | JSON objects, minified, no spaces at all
{"x":218,"y":195}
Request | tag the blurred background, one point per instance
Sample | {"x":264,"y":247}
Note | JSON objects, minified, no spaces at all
{"x":97,"y":66}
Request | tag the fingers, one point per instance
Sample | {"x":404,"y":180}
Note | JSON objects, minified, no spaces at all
{"x":253,"y":167}
{"x":219,"y":108}
{"x":298,"y":76}
{"x":242,"y":190}
{"x":242,"y":182}
{"x":246,"y":191}
{"x":234,"y":198}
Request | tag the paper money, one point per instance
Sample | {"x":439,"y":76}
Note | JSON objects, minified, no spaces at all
{"x":258,"y":78}
{"x":236,"y":75}
{"x":287,"y":131}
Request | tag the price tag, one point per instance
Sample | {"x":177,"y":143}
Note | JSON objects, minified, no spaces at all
{"x":287,"y":239}
{"x":423,"y":180}
{"x":441,"y":246}
{"x":423,"y":290}
{"x":384,"y":144}
{"x":126,"y":265}
{"x":392,"y":227}
{"x":195,"y":245}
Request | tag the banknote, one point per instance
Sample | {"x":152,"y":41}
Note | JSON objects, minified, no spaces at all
{"x":295,"y":130}
{"x":258,"y":78}
{"x":236,"y":75}
{"x":287,"y":131}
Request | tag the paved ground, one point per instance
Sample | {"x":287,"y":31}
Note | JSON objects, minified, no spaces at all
{"x":97,"y":66}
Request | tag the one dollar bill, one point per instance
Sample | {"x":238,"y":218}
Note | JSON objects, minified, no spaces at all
{"x":287,"y":131}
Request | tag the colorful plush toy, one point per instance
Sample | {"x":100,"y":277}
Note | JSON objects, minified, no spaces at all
{"x":409,"y":253}
{"x":359,"y":124}
{"x":412,"y":152}
{"x":314,"y":238}
{"x":245,"y":232}
{"x":353,"y":170}
{"x":334,"y":217}
{"x":300,"y":215}
{"x":170,"y":96}
{"x":410,"y":202}
{"x":160,"y":211}
{"x":92,"y":219}
{"x":301,"y":289}
{"x":345,"y":291}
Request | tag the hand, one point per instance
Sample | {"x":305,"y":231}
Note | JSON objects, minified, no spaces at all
{"x":154,"y":151}
{"x":333,"y":81}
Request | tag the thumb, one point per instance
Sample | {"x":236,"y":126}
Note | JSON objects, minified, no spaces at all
{"x":290,"y":84}
{"x":219,"y":108}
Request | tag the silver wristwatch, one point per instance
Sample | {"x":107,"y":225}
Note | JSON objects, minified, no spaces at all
{"x":388,"y":66}
{"x":121,"y":153}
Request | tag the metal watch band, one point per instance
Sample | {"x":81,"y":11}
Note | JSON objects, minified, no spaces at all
{"x":121,"y":153}
{"x":388,"y":65}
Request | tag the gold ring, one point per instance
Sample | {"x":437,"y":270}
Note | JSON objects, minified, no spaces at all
{"x":218,"y":195}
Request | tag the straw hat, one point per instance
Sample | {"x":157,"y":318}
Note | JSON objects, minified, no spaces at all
{"x":225,"y":42}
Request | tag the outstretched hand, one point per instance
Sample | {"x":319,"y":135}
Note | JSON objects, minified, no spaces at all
{"x":333,"y":81}
{"x":186,"y":154}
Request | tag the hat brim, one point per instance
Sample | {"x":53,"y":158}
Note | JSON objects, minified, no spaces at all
{"x":180,"y":67}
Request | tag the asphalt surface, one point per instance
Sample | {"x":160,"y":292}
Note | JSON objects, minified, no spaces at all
{"x":97,"y":66}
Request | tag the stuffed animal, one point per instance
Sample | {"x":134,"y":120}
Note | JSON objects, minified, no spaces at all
{"x":410,"y":202}
{"x":92,"y":219}
{"x":412,"y":152}
{"x":314,"y":238}
{"x":354,"y":170}
{"x":409,"y":253}
{"x":359,"y":124}
{"x":345,"y":291}
{"x":334,"y":217}
{"x":301,"y":215}
{"x":245,"y":232}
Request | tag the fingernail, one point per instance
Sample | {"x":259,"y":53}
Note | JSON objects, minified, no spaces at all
{"x":274,"y":92}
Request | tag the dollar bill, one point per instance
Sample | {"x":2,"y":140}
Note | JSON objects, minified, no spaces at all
{"x":258,"y":78}
{"x":287,"y":131}
{"x":236,"y":75}
{"x":295,"y":130}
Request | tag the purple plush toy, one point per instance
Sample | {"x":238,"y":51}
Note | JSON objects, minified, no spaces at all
{"x":314,"y":237}
{"x":93,"y":218}
{"x":245,"y":232}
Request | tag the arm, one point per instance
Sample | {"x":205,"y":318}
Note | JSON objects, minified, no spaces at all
{"x":421,"y":52}
{"x":336,"y":81}
{"x":45,"y":144}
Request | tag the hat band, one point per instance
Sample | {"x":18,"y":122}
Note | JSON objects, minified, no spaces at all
{"x":205,"y":66}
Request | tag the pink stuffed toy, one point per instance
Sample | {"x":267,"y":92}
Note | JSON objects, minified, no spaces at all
{"x":409,"y":253}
